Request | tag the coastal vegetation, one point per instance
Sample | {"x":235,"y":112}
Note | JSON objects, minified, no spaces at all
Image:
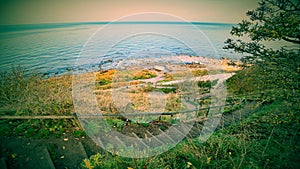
{"x":30,"y":94}
{"x":267,"y":138}
{"x":271,"y":68}
{"x":144,"y":74}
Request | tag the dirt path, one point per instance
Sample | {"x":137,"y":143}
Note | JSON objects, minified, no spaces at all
{"x":220,"y":77}
{"x":154,"y":80}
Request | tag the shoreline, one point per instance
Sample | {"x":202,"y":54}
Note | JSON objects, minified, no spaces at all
{"x":210,"y":69}
{"x":191,"y":69}
{"x":210,"y":63}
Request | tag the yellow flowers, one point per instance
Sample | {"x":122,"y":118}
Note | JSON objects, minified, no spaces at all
{"x":208,"y":160}
{"x":188,"y":164}
{"x":87,"y":164}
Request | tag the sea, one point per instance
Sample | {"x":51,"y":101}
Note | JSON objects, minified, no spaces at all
{"x":56,"y":49}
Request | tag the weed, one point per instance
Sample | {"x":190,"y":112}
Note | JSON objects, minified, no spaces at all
{"x":79,"y":133}
{"x":168,"y":90}
{"x":163,"y":127}
{"x":145,"y":124}
{"x":116,"y":123}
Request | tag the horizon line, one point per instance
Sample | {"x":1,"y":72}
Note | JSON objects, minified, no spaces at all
{"x":122,"y":22}
{"x":34,"y":26}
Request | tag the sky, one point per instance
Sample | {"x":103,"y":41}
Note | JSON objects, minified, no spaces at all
{"x":61,"y":11}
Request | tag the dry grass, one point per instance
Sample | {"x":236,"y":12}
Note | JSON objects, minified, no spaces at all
{"x":105,"y":77}
{"x":144,"y":74}
{"x":199,"y":72}
{"x":117,"y":78}
{"x":33,"y":95}
{"x":185,"y":73}
{"x":22,"y":94}
{"x":136,"y":96}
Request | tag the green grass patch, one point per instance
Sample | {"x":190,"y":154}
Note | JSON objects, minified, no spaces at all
{"x":168,"y":90}
{"x":207,"y":84}
{"x":116,"y":123}
{"x":40,"y":128}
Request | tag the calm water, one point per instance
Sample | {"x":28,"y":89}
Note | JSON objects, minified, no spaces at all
{"x":57,"y":48}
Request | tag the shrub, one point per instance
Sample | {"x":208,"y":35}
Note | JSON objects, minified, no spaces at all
{"x":144,"y":74}
{"x":105,"y":77}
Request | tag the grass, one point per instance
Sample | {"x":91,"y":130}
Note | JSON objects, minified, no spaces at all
{"x":178,"y":75}
{"x":116,"y":123}
{"x":199,"y":72}
{"x":105,"y":77}
{"x":139,"y":98}
{"x":168,"y":90}
{"x":144,"y":74}
{"x":207,"y":84}
{"x":40,"y":128}
{"x":113,"y":78}
{"x":269,"y":138}
{"x":22,"y":94}
{"x":277,"y":82}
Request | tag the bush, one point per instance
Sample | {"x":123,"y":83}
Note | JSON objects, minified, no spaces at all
{"x":105,"y":77}
{"x":144,"y":74}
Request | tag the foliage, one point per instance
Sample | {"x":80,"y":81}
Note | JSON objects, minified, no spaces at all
{"x":79,"y":133}
{"x":268,"y":139}
{"x":273,"y":20}
{"x":116,"y":123}
{"x":207,"y":84}
{"x":168,"y":90}
{"x":274,"y":81}
{"x":229,"y":109}
{"x":274,"y":70}
{"x":107,"y":161}
{"x":43,"y":128}
{"x":144,"y":74}
{"x":105,"y":77}
{"x":14,"y":86}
